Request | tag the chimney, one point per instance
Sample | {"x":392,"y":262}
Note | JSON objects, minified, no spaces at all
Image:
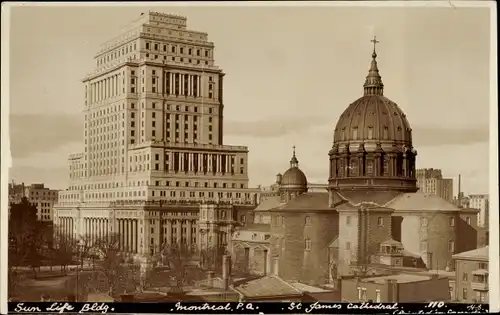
{"x":210,"y":279}
{"x":392,"y":291}
{"x":226,"y":271}
{"x":459,"y":201}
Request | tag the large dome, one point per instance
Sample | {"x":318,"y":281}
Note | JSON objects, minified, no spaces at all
{"x":372,"y":146}
{"x":373,"y":118}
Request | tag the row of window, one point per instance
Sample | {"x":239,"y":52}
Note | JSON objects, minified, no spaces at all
{"x":177,"y":49}
{"x":120,"y":51}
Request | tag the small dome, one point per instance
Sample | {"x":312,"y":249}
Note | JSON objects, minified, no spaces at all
{"x":294,"y":177}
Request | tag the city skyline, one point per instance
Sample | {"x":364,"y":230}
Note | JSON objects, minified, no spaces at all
{"x":430,"y":79}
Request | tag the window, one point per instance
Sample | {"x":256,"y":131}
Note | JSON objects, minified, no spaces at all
{"x":464,"y":294}
{"x":355,"y":133}
{"x":452,"y":221}
{"x":369,"y":167}
{"x":147,"y":45}
{"x":308,"y":244}
{"x":423,"y":221}
{"x":451,"y":246}
{"x":370,"y":133}
{"x":380,"y":221}
{"x":348,"y":220}
{"x":467,"y":219}
{"x":308,"y":220}
{"x":465,"y":276}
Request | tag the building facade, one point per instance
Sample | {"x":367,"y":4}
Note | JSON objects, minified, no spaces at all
{"x":431,"y":181}
{"x":472,"y":276}
{"x":153,"y":135}
{"x":481,"y":203}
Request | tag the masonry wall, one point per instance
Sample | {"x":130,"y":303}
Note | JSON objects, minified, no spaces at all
{"x":301,"y":244}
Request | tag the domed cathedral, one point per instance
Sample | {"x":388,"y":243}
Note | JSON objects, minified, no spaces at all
{"x":373,"y":188}
{"x":372,"y":147}
{"x":293,"y":182}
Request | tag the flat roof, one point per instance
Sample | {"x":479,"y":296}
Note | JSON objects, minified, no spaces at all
{"x":481,"y":253}
{"x":399,"y":278}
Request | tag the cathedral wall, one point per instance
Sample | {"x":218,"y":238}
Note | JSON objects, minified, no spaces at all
{"x":468,"y":236}
{"x":321,"y":231}
{"x":432,"y":235}
{"x":379,"y":231}
{"x":348,"y":240}
{"x":301,"y":245}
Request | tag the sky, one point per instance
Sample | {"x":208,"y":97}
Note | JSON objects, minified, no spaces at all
{"x":290,"y":72}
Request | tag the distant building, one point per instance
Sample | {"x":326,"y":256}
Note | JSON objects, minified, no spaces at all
{"x":431,"y":181}
{"x":43,"y":199}
{"x":38,"y":195}
{"x":471,"y":269}
{"x":400,"y":288}
{"x":480,"y":202}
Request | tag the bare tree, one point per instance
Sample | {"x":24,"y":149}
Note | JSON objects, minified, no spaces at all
{"x":179,"y":258}
{"x":63,"y":251}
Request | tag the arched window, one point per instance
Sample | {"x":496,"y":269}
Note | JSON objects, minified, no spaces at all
{"x":386,"y":166}
{"x":370,"y":133}
{"x":369,"y":167}
{"x":341,"y":167}
{"x":353,"y":169}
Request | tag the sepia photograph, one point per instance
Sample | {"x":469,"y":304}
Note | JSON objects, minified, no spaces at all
{"x":247,"y":152}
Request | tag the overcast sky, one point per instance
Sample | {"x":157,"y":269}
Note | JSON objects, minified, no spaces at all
{"x":291,"y":71}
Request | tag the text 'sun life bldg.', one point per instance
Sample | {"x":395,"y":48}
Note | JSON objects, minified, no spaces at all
{"x":154,"y":158}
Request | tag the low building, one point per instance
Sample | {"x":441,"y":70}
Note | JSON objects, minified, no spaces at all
{"x":471,"y":269}
{"x":251,"y":249}
{"x":395,"y":288}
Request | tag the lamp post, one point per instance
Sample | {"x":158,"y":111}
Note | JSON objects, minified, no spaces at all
{"x":79,"y":250}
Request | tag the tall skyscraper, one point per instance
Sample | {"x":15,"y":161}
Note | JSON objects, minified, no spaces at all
{"x":153,"y":139}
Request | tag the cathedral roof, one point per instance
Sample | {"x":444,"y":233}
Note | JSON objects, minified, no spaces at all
{"x":359,"y":197}
{"x":421,"y":202}
{"x":268,"y":203}
{"x":294,"y":177}
{"x":373,"y":116}
{"x":307,"y":201}
{"x":256,"y":227}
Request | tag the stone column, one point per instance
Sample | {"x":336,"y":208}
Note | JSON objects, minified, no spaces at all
{"x":181,"y":164}
{"x":200,"y":90}
{"x":134,"y":236}
{"x":181,"y":84}
{"x":169,"y":231}
{"x":179,"y":226}
{"x":129,"y":234}
{"x":188,"y":232}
